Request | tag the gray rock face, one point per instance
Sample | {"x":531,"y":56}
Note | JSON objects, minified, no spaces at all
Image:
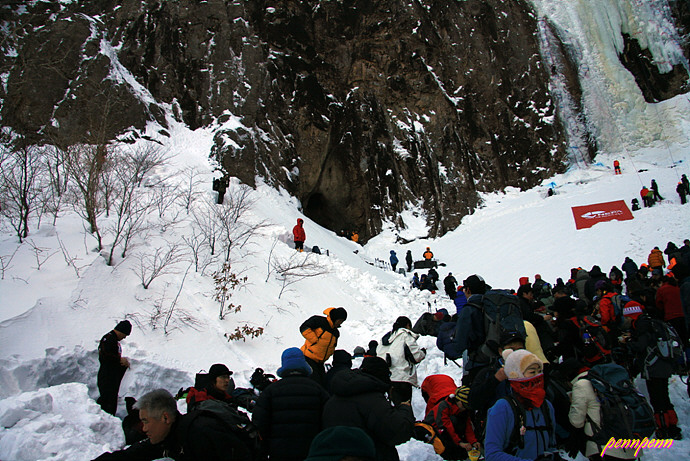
{"x":359,"y":108}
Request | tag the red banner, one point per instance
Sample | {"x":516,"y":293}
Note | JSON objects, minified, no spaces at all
{"x":587,"y":216}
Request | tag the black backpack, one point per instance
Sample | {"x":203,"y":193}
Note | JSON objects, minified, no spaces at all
{"x":625,"y":413}
{"x":666,"y":345}
{"x":502,"y":313}
{"x":234,"y":420}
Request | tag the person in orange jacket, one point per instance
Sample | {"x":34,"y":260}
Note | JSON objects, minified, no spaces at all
{"x":656,"y":259}
{"x":428,"y":255}
{"x":298,"y":234}
{"x":321,"y":338}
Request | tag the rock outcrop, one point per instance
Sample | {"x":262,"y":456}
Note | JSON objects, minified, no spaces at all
{"x":360,"y":109}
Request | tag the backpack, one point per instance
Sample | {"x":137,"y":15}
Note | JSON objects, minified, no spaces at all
{"x":426,"y":433}
{"x":594,"y":337}
{"x":517,"y":436}
{"x":445,"y":338}
{"x":619,"y":301}
{"x":625,"y":413}
{"x":234,"y":420}
{"x":502,"y":313}
{"x":667,"y":345}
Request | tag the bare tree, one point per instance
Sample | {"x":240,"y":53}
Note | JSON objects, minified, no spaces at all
{"x":85,"y":163}
{"x":189,"y":187}
{"x":235,"y":228}
{"x":129,"y":206}
{"x":21,"y":173}
{"x":298,"y":266}
{"x":206,"y":225}
{"x":162,"y":261}
{"x":201,"y":258}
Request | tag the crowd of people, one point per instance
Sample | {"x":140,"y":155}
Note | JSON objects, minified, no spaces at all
{"x":531,"y":391}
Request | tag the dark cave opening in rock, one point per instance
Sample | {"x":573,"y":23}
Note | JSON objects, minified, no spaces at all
{"x":318,"y":209}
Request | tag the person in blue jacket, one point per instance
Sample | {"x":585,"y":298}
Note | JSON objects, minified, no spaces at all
{"x":535,"y":438}
{"x":394,"y":260}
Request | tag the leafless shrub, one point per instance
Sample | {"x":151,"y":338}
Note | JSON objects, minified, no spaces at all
{"x":69,"y":259}
{"x":298,"y":266}
{"x":196,"y":244}
{"x":6,"y":263}
{"x":189,"y":187}
{"x":40,"y":254}
{"x":226,"y":282}
{"x":162,"y":261}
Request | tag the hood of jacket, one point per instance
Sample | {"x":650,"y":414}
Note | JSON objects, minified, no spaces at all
{"x":355,"y":382}
{"x":391,"y":336}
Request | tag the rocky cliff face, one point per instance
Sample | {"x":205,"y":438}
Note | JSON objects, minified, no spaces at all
{"x":358,"y":108}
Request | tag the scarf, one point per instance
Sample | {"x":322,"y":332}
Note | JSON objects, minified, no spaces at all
{"x":530,"y":391}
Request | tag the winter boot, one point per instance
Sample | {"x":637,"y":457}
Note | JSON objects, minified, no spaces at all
{"x":672,"y":431}
{"x":661,"y":429}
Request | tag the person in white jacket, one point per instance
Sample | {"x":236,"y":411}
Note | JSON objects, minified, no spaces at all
{"x":584,"y":407}
{"x":400,"y":349}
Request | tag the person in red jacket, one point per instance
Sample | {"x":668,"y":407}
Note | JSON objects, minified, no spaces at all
{"x":607,"y":312}
{"x":298,"y":235}
{"x":668,"y":302}
{"x":451,"y":421}
{"x":617,"y":167}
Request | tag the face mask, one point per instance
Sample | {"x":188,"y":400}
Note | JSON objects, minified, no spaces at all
{"x":530,"y":390}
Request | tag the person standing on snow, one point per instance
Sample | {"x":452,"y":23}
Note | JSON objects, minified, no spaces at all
{"x":321,"y":338}
{"x":617,"y":167}
{"x":655,"y":191}
{"x":402,"y":353}
{"x":656,"y":259}
{"x":428,"y":255}
{"x":113,"y":366}
{"x":680,"y":188}
{"x":298,"y":234}
{"x":394,"y":260}
{"x":408,"y":260}
{"x":449,"y":284}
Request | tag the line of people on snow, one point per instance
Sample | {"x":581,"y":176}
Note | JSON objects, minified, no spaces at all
{"x":650,"y":195}
{"x":541,"y":365}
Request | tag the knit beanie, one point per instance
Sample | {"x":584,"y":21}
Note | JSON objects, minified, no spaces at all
{"x":376,"y":367}
{"x":338,"y":313}
{"x":337,"y":442}
{"x":462,"y":395}
{"x":218,"y":369}
{"x":124,"y":327}
{"x":517,"y":362}
{"x":293,"y":360}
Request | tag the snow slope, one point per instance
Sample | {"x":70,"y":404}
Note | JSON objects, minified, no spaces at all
{"x":51,"y":319}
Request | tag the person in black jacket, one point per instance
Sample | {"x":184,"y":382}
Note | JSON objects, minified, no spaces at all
{"x":113,"y":366}
{"x":198,"y":435}
{"x":656,"y":370}
{"x":288,"y":413}
{"x":359,"y":400}
{"x":408,"y":260}
{"x":342,"y":360}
